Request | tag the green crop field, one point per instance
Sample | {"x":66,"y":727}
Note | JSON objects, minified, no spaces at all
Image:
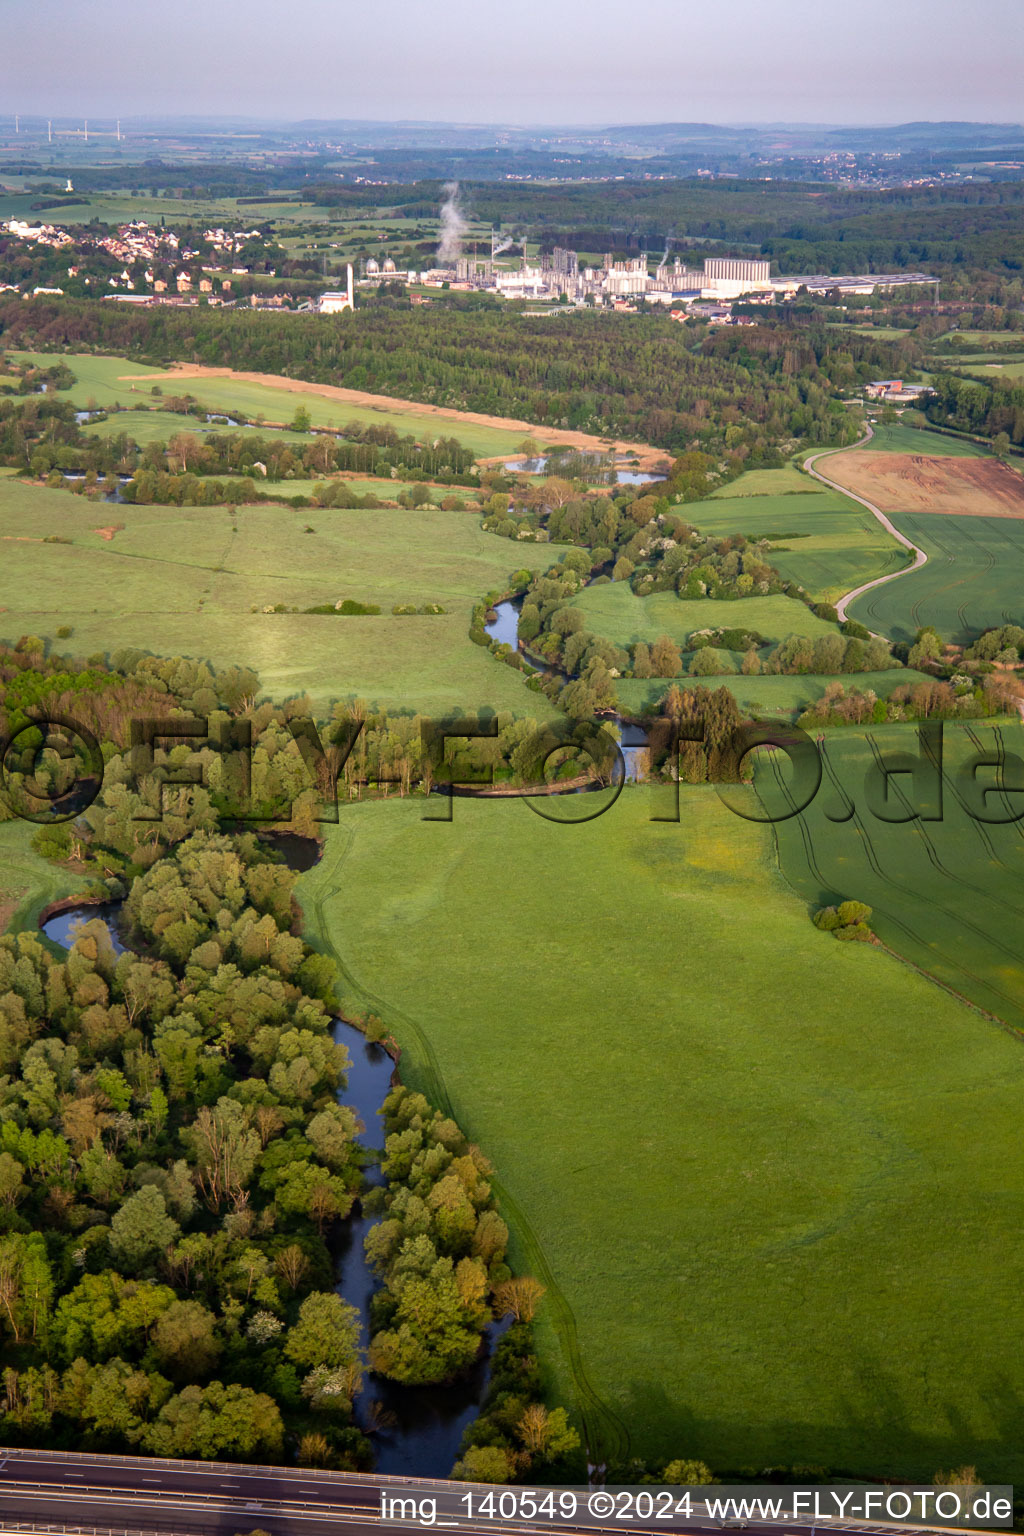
{"x":948,"y":894}
{"x":785,"y":697}
{"x":821,"y":539}
{"x":228,"y":395}
{"x":103,"y":381}
{"x":1008,"y":370}
{"x":614,"y":611}
{"x":765,"y":482}
{"x":99,"y":381}
{"x":785,"y":1181}
{"x":155,"y":426}
{"x":898,"y":438}
{"x":184,"y":581}
{"x":971,"y":582}
{"x":28,"y":883}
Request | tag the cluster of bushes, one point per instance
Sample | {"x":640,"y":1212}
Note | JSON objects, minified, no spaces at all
{"x":515,"y":1435}
{"x":849,"y":921}
{"x":424,"y":608}
{"x":961,"y":698}
{"x":679,"y":558}
{"x":36,"y":381}
{"x":1004,"y":645}
{"x":173,"y":1157}
{"x":439,"y":1247}
{"x":347,"y":606}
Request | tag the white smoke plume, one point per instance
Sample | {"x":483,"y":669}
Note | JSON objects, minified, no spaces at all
{"x":505,"y":245}
{"x":453,"y":225}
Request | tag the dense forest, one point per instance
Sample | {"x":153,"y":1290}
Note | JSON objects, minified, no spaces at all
{"x":174,"y":1161}
{"x":626,"y":375}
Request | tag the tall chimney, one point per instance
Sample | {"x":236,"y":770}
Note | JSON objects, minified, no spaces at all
{"x":350,"y":285}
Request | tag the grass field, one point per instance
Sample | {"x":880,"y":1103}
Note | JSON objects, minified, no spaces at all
{"x":223,"y":394}
{"x":821,"y":539}
{"x":1009,"y":370}
{"x":616,"y":613}
{"x":183,"y":581}
{"x":770,"y":1181}
{"x":763,"y":482}
{"x":972,"y":579}
{"x":900,"y":439}
{"x":28,"y":883}
{"x":105,"y":380}
{"x":98,"y":380}
{"x":948,"y":894}
{"x":159,"y":426}
{"x":785,"y":697}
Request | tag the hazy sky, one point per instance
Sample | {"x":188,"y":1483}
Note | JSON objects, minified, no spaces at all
{"x":520,"y":61}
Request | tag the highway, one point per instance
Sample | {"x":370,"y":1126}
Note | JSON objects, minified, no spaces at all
{"x":44,"y":1491}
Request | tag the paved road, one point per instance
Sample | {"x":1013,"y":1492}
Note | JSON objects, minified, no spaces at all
{"x":920,"y":558}
{"x":131,"y":1495}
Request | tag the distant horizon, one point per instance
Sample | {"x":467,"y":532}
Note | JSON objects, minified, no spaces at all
{"x":537,"y":125}
{"x":560,"y":66}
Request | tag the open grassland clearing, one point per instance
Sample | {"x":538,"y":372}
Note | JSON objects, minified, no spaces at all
{"x":615,"y":612}
{"x":765,"y":482}
{"x":898,"y":482}
{"x":947,"y":893}
{"x":185,"y":581}
{"x":721,"y":1138}
{"x":768,"y":695}
{"x":972,"y":580}
{"x":160,"y":426}
{"x":329,"y":404}
{"x":28,"y":882}
{"x":120,"y":207}
{"x":1012,"y":369}
{"x":384,"y":490}
{"x":104,"y":381}
{"x":99,"y":381}
{"x":896,"y":437}
{"x":821,"y":539}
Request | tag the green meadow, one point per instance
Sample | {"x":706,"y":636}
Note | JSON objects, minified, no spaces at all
{"x":99,"y":381}
{"x":769,"y":695}
{"x":104,"y":381}
{"x":28,"y":883}
{"x":821,"y":539}
{"x":770,"y":1181}
{"x":897,"y":438}
{"x":156,"y":426}
{"x":186,"y":581}
{"x":970,"y":583}
{"x":253,"y":400}
{"x":947,"y":893}
{"x":614,"y":611}
{"x":1012,"y":369}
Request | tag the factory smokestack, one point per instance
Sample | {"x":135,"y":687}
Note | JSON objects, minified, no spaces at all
{"x":453,"y":225}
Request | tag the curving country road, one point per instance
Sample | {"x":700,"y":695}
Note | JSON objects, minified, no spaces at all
{"x":920,"y":558}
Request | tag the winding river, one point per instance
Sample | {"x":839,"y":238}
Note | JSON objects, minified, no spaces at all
{"x":416,"y":1431}
{"x":632,"y":737}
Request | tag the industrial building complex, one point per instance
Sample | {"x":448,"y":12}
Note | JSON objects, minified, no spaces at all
{"x":561,"y":277}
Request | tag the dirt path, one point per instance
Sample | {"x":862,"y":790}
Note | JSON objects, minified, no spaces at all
{"x":920,"y":557}
{"x":649,"y":457}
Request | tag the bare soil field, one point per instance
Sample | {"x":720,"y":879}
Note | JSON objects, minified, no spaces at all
{"x":905,"y":482}
{"x":648,"y":456}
